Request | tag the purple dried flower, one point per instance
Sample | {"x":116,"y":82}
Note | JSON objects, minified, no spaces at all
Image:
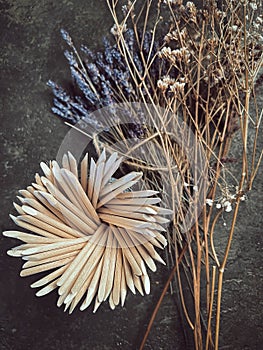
{"x":71,"y":58}
{"x":100,"y":76}
{"x":66,"y":37}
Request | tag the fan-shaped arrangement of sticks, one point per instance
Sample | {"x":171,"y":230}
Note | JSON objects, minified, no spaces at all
{"x":94,"y":232}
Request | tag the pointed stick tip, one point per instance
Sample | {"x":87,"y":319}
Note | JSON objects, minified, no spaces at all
{"x":9,"y":234}
{"x":45,"y":167}
{"x":29,"y":210}
{"x":13,"y":253}
{"x":22,"y":200}
{"x":14,"y":218}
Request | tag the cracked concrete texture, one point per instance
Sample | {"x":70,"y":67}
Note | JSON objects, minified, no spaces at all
{"x":32,"y":53}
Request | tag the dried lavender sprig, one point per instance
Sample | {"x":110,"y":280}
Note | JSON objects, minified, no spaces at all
{"x":104,"y":80}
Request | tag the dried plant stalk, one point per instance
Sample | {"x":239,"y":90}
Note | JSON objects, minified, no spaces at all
{"x":210,"y":61}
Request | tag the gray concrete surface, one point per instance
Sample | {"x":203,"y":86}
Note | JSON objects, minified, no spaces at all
{"x":32,"y":53}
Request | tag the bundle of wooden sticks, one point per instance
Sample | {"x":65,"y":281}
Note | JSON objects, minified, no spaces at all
{"x":94,"y":232}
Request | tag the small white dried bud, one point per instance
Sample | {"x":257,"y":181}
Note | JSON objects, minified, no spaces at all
{"x":195,"y":188}
{"x":190,"y":6}
{"x":209,"y":202}
{"x":183,"y":33}
{"x":113,"y":30}
{"x":183,"y":80}
{"x":253,"y":5}
{"x":165,"y":52}
{"x":168,"y":80}
{"x":176,"y":36}
{"x":168,"y":37}
{"x":226,"y":203}
{"x":177,"y":53}
{"x":177,"y":87}
{"x":162,"y":85}
{"x":228,"y":208}
{"x":116,"y":31}
{"x":182,"y":53}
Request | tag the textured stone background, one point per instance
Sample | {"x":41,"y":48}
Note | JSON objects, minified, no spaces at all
{"x":32,"y":53}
